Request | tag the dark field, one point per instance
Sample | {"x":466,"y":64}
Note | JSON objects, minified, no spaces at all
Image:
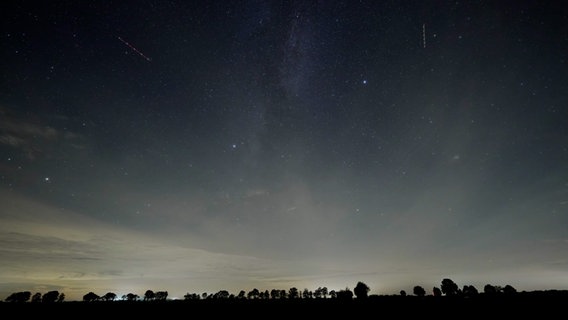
{"x":539,"y":305}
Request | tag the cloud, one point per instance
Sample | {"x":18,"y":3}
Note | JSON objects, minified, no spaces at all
{"x":43,"y":246}
{"x":33,"y":136}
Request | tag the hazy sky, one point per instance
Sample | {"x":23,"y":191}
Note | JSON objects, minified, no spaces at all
{"x":195,"y":146}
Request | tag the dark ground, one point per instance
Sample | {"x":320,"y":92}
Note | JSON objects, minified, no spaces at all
{"x":539,"y":305}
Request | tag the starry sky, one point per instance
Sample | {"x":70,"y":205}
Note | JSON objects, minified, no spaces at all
{"x":195,"y":146}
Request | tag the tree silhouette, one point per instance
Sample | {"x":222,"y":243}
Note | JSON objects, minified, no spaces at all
{"x":253,"y":294}
{"x":109,"y":296}
{"x":332,"y":294}
{"x":222,"y":294}
{"x":324,"y":292}
{"x":345,"y":294}
{"x":191,"y":296}
{"x":91,"y":296}
{"x":161,"y":295}
{"x":508,"y":289}
{"x":489,"y":289}
{"x":19,"y":297}
{"x":469,"y":291}
{"x":449,"y":287}
{"x":50,"y":296}
{"x":318,"y":293}
{"x":274,"y":294}
{"x":293,"y":293}
{"x":436,"y":292}
{"x":149,"y":295}
{"x":36,"y":297}
{"x":419,"y":291}
{"x":361,"y":290}
{"x":132,"y":297}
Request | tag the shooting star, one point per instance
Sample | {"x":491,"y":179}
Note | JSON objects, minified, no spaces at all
{"x":424,"y":35}
{"x":135,"y":50}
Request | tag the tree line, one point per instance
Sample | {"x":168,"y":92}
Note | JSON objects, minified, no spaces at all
{"x":361,"y":291}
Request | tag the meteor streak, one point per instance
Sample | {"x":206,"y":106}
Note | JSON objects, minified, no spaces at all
{"x":424,"y":35}
{"x":133,"y":48}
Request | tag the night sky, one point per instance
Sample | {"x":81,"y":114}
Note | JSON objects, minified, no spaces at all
{"x":198,"y":146}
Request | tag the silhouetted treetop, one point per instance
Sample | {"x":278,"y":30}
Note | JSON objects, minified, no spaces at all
{"x":346,"y":294}
{"x":436,"y":292}
{"x":19,"y":297}
{"x":132,"y":297}
{"x":508,"y":289}
{"x":469,"y":291}
{"x":489,"y":289}
{"x":91,"y":296}
{"x":449,"y":287}
{"x":36,"y":297}
{"x":361,"y":290}
{"x":109,"y":296}
{"x":419,"y":291}
{"x":50,"y":296}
